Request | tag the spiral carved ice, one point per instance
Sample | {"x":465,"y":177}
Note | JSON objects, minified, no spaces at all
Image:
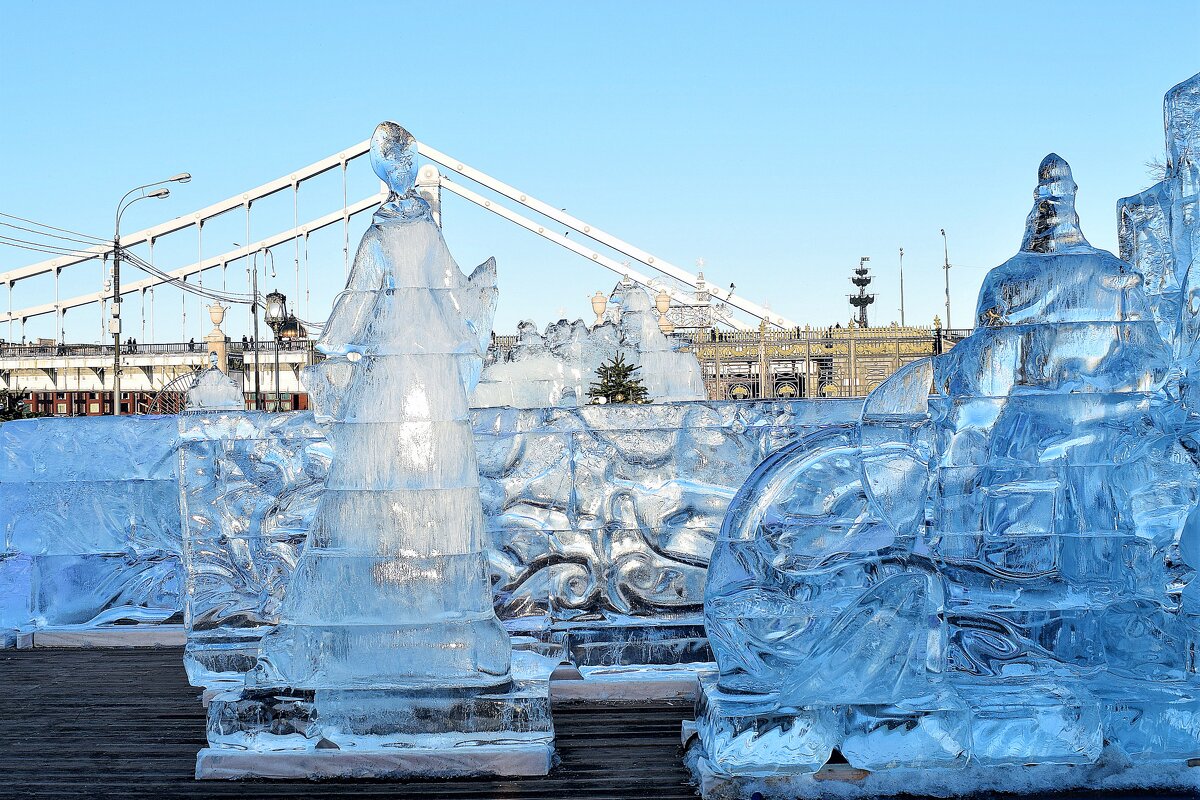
{"x":388,"y":619}
{"x":993,"y":569}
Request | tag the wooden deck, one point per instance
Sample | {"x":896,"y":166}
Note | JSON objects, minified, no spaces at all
{"x":125,"y":723}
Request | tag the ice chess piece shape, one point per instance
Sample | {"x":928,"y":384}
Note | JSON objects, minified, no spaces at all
{"x":388,"y":643}
{"x":989,"y":571}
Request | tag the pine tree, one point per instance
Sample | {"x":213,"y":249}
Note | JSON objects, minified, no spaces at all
{"x":12,"y":406}
{"x":617,"y":383}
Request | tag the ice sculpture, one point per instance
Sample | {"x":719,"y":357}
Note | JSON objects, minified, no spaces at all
{"x":214,"y":391}
{"x":557,"y":367}
{"x":992,"y":570}
{"x":248,"y":494}
{"x":89,"y":524}
{"x":388,"y":658}
{"x":1160,"y":227}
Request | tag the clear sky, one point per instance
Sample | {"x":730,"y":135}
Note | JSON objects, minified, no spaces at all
{"x":777,"y":141}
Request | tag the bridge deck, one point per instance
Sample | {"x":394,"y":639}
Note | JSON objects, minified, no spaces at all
{"x":124,"y":723}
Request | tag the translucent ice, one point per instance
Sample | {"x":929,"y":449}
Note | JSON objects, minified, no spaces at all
{"x":387,"y":637}
{"x":557,"y":367}
{"x":392,"y":588}
{"x":89,"y":522}
{"x":994,"y":566}
{"x":215,"y":391}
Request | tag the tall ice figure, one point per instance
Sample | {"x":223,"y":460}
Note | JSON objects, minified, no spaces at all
{"x":389,"y":658}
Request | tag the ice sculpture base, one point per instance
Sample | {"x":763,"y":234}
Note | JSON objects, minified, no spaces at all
{"x":285,"y":732}
{"x":1112,"y":772}
{"x":515,"y":759}
{"x":745,"y":744}
{"x":634,"y":682}
{"x":119,"y":636}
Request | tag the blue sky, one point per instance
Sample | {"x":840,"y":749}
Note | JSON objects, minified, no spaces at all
{"x":777,"y":141}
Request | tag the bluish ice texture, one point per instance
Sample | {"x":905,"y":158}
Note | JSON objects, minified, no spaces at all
{"x":387,"y":636}
{"x":249,"y":488}
{"x":599,"y":520}
{"x":90,"y":531}
{"x":391,"y":590}
{"x":995,"y":566}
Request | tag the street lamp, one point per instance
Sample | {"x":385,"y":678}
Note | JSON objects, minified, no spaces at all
{"x":252,"y":276}
{"x":114,"y":324}
{"x":275,"y":314}
{"x":946,"y":267}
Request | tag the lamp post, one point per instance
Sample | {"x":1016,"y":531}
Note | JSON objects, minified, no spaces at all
{"x":946,"y":267}
{"x":901,"y":287}
{"x":252,"y":274}
{"x":275,"y":314}
{"x":114,"y":324}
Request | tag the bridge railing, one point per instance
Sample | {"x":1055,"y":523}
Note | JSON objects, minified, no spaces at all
{"x":30,"y":351}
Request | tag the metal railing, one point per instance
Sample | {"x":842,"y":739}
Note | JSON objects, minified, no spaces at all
{"x":28,"y":351}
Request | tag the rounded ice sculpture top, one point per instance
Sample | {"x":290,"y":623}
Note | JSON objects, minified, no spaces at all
{"x":394,"y":159}
{"x":1053,"y":225}
{"x":1058,"y":276}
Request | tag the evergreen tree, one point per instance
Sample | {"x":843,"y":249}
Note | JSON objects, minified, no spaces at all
{"x":12,"y":406}
{"x":617,"y":383}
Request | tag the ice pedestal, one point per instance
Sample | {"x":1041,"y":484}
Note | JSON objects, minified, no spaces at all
{"x":985,"y":576}
{"x":387,"y":637}
{"x":384,"y":733}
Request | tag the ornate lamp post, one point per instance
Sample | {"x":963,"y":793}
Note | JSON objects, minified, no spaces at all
{"x":275,"y":314}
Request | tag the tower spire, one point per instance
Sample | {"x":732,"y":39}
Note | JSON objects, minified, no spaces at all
{"x":862,"y":279}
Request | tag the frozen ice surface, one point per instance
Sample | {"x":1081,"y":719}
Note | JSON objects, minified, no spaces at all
{"x":1159,"y":228}
{"x":994,"y":567}
{"x":249,"y":489}
{"x":557,"y":368}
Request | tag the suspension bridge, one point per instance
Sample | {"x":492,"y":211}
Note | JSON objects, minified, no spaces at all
{"x":692,"y":299}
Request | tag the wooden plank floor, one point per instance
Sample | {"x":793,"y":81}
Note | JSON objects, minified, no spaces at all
{"x":125,"y":723}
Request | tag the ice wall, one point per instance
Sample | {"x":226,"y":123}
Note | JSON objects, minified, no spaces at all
{"x":993,"y":569}
{"x":90,"y":515}
{"x":554,"y":484}
{"x":1159,"y":228}
{"x":249,"y":488}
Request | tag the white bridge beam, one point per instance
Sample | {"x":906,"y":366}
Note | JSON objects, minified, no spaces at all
{"x":248,"y":198}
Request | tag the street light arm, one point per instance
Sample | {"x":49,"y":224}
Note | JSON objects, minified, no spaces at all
{"x":182,"y":177}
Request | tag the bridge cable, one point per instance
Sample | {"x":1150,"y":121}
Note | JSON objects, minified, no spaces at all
{"x":97,"y":239}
